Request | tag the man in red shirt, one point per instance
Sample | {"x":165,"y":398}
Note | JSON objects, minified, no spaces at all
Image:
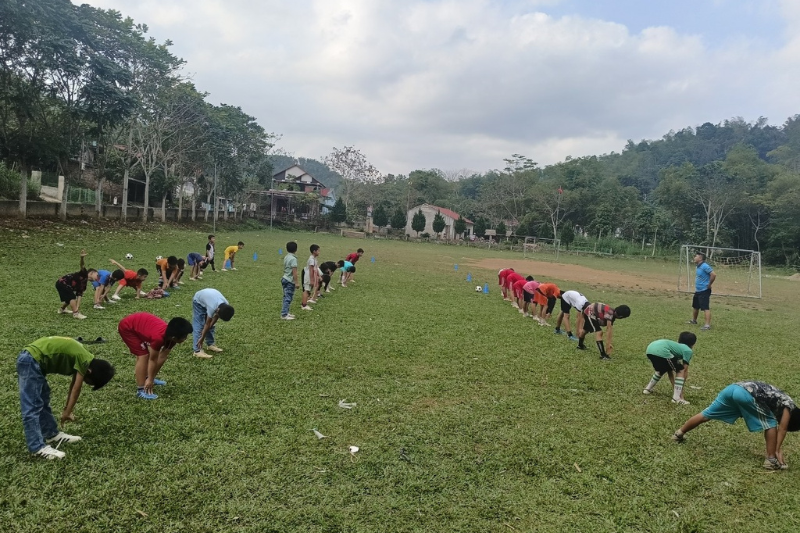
{"x":151,"y":340}
{"x":518,"y":293}
{"x":501,"y":279}
{"x":595,"y":317}
{"x":353,"y":258}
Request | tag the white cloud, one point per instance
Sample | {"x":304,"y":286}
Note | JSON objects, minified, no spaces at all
{"x":464,"y":83}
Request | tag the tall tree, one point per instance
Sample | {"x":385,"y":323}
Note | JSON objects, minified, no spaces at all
{"x":399,"y":219}
{"x":380,"y":218}
{"x":418,"y":222}
{"x":353,"y":168}
{"x":438,"y":223}
{"x":460,"y":226}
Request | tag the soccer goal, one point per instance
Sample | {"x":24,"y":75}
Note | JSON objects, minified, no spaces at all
{"x":738,"y":271}
{"x":540,"y":248}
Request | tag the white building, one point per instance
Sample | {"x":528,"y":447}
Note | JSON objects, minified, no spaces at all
{"x":430,"y":211}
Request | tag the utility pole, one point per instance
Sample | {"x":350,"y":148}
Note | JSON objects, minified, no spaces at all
{"x":216,"y":202}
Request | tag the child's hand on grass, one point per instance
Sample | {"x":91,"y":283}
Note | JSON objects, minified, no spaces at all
{"x":67,"y":417}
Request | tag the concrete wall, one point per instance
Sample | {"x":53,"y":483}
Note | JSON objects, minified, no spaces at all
{"x":10,"y":208}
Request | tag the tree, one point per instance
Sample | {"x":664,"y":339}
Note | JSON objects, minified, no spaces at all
{"x":567,"y":235}
{"x":354,"y":168}
{"x":480,"y":227}
{"x":418,"y":222}
{"x":438,"y":223}
{"x":460,"y":226}
{"x":399,"y":219}
{"x":501,"y":230}
{"x":380,"y":218}
{"x":339,"y":211}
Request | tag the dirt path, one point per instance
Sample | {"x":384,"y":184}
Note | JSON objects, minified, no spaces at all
{"x":631,"y":281}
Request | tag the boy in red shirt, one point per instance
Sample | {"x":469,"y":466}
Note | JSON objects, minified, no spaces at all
{"x":129,"y":279}
{"x":518,"y":293}
{"x":595,"y":317}
{"x":501,"y":280}
{"x":151,"y":340}
{"x":511,"y":279}
{"x":353,"y":258}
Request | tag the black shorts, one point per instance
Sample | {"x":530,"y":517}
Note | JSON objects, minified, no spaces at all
{"x":566,"y":308}
{"x":663,"y":366}
{"x":701,"y":300}
{"x":65,"y":292}
{"x":352,"y":269}
{"x":527,"y":297}
{"x":591,"y":325}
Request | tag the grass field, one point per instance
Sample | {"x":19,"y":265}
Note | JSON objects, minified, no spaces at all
{"x":468,"y":417}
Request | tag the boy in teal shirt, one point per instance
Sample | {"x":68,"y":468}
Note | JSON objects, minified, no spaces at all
{"x":54,"y":355}
{"x":670,"y":357}
{"x":289,"y":281}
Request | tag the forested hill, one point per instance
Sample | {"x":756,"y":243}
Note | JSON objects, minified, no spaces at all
{"x":734,"y":184}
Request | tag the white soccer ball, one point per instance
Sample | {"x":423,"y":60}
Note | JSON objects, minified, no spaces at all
{"x":128,"y":256}
{"x":478,"y":288}
{"x":159,"y":258}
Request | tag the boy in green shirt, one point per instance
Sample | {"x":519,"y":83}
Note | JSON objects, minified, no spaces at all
{"x":289,"y":281}
{"x":54,"y":355}
{"x":670,"y":357}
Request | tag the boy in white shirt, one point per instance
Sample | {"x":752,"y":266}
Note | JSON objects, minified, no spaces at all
{"x":310,"y":278}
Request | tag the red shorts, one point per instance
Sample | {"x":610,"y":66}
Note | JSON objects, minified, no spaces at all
{"x":133,"y":341}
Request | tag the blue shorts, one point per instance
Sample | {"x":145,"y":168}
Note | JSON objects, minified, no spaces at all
{"x":734,"y":402}
{"x":193,"y":258}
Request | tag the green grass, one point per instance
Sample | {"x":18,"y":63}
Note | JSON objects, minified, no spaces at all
{"x":468,"y":418}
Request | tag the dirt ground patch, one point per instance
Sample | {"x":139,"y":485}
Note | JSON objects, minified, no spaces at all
{"x":582,"y":274}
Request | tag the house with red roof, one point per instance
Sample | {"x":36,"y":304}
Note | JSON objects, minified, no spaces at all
{"x":430,"y":211}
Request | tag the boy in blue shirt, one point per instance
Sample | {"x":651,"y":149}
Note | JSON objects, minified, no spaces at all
{"x":208,"y":306}
{"x":763,"y":407}
{"x":348,"y":269}
{"x":102,"y":286}
{"x":672,"y":358}
{"x":289,"y":281}
{"x":703,"y":279}
{"x":54,"y":355}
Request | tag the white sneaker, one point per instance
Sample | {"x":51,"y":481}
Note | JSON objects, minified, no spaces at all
{"x":63,"y":437}
{"x":202,"y":355}
{"x":287,"y":317}
{"x":223,"y":269}
{"x":233,"y":268}
{"x":312,"y":301}
{"x":111,"y":302}
{"x":98,"y":306}
{"x":514,"y":305}
{"x":78,"y":316}
{"x":291,"y":315}
{"x":182,"y":282}
{"x":680,"y":401}
{"x":214,"y":348}
{"x":647,"y":391}
{"x":142,"y":293}
{"x":116,"y":298}
{"x":306,"y":308}
{"x":63,"y":311}
{"x":192,"y":279}
{"x":50,"y":453}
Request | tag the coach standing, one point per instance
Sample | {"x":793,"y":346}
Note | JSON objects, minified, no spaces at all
{"x":703,"y":280}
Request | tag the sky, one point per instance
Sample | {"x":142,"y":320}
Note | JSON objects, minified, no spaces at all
{"x":463,"y":84}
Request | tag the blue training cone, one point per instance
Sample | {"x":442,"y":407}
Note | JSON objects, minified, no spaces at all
{"x":469,"y":276}
{"x":255,"y":256}
{"x":455,"y":266}
{"x":485,"y":288}
{"x":373,"y":259}
{"x":280,"y":251}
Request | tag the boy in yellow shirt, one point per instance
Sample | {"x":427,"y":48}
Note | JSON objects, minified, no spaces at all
{"x":230,"y":254}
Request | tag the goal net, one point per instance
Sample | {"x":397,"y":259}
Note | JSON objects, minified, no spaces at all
{"x":540,"y":248}
{"x":738,"y":271}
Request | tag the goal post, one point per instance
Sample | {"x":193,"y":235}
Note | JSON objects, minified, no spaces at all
{"x":738,"y":271}
{"x":540,"y":247}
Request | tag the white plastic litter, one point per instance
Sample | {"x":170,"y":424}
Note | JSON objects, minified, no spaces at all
{"x":318,"y":434}
{"x":344,"y":405}
{"x":353,"y":449}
